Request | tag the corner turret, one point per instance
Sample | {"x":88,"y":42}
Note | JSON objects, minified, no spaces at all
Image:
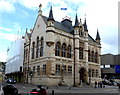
{"x":98,"y":37}
{"x":50,"y":28}
{"x":50,"y":18}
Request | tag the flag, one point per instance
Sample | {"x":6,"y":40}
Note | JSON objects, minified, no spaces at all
{"x":63,"y":8}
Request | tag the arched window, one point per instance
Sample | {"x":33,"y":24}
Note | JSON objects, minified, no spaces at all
{"x":81,"y":51}
{"x":92,"y":56}
{"x":96,"y":57}
{"x":33,"y":50}
{"x":89,"y":57}
{"x":37,"y":47}
{"x":63,"y":50}
{"x":26,"y":54}
{"x":57,"y":49}
{"x":69,"y":52}
{"x":41,"y":46}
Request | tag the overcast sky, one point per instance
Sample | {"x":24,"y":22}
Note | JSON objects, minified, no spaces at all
{"x":17,"y":15}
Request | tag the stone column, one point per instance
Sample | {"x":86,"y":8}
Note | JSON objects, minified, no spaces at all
{"x":76,"y":57}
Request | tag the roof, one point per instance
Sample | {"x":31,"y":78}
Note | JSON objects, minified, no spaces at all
{"x":60,"y":26}
{"x":90,"y":38}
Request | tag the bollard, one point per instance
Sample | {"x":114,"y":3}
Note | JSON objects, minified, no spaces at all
{"x":52,"y":92}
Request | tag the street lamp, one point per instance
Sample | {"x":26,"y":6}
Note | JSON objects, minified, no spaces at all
{"x":31,"y":75}
{"x":62,"y":74}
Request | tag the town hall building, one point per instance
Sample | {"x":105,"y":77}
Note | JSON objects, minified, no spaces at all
{"x":59,"y":53}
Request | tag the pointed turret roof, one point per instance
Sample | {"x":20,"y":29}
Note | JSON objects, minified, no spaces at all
{"x":97,"y":36}
{"x":76,"y":22}
{"x":51,"y":15}
{"x":85,"y":25}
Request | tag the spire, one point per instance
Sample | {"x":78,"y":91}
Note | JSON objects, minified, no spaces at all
{"x":85,"y":25}
{"x":97,"y":36}
{"x":51,"y":15}
{"x":76,"y":21}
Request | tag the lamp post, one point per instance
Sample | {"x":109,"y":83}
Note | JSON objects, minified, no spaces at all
{"x":31,"y":75}
{"x":62,"y":75}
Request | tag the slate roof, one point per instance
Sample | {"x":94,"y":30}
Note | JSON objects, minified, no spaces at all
{"x":60,"y":26}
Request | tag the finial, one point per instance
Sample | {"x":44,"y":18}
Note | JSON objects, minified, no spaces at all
{"x":40,"y":6}
{"x":26,"y":29}
{"x":80,"y":19}
{"x":80,"y":22}
{"x":40,"y":11}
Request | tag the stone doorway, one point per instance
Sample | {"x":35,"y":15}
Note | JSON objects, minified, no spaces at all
{"x":83,"y":75}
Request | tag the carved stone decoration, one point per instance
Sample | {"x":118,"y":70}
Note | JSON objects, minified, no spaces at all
{"x":49,"y":43}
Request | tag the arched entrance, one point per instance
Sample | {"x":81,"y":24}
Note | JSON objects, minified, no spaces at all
{"x":83,"y":75}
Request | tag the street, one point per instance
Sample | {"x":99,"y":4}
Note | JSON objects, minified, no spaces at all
{"x":62,"y":90}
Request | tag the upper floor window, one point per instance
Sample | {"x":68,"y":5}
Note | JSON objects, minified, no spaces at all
{"x":37,"y":47}
{"x":57,"y":49}
{"x":25,"y":54}
{"x":92,"y":56}
{"x":81,"y":51}
{"x":41,"y":46}
{"x":63,"y":50}
{"x":69,"y":52}
{"x":89,"y":56}
{"x":33,"y":50}
{"x":96,"y":57}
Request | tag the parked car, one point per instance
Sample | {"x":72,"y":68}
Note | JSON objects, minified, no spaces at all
{"x":11,"y":80}
{"x":10,"y":90}
{"x":114,"y":82}
{"x":118,"y":83}
{"x":106,"y":82}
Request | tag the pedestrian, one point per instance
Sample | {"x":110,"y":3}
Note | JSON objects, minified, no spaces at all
{"x":95,"y":84}
{"x":98,"y":84}
{"x":101,"y":84}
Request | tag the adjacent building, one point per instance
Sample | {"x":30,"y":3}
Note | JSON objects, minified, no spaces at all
{"x":110,"y":66}
{"x":61,"y":53}
{"x":14,"y":64}
{"x":2,"y":70}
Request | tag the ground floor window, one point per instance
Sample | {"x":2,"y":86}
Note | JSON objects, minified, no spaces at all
{"x":57,"y":69}
{"x":69,"y":69}
{"x":44,"y":69}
